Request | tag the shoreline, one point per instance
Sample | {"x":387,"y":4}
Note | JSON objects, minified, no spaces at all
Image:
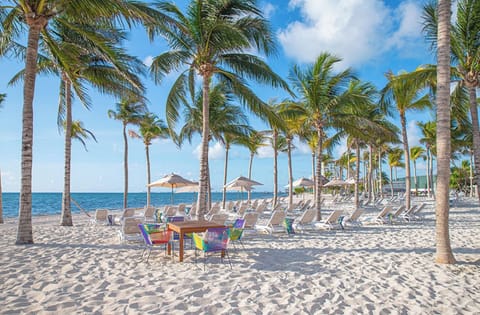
{"x":368,"y":269}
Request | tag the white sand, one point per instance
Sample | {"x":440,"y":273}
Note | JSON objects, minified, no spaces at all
{"x":366,"y":270}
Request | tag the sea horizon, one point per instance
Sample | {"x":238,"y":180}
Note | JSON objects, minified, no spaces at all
{"x":50,"y":203}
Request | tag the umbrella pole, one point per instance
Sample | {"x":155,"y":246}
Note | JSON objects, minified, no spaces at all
{"x":171,"y":196}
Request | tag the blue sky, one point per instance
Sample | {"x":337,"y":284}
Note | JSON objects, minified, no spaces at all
{"x":371,"y":36}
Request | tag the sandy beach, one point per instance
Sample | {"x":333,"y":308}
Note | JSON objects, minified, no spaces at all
{"x":371,"y":269}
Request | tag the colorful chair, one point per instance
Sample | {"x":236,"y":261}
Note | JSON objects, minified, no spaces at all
{"x":154,"y":235}
{"x":235,"y":232}
{"x":213,"y":240}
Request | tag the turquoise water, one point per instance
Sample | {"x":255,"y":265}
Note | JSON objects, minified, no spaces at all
{"x":51,"y":203}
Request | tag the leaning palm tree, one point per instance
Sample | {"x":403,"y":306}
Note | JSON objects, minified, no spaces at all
{"x":416,"y":152}
{"x":27,"y":19}
{"x":211,"y":40}
{"x":130,"y":110}
{"x":444,"y":253}
{"x":407,"y":96}
{"x":151,"y":127}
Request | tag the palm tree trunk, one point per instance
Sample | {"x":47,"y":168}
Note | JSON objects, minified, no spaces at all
{"x":249,"y":192}
{"x":203,"y":180}
{"x":313,"y":175}
{"x":290,"y":176}
{"x":476,"y":133}
{"x":471,"y":174}
{"x":391,"y":180}
{"x":429,"y":182}
{"x":1,"y":205}
{"x":209,"y":188}
{"x":224,"y":190}
{"x":357,"y":178}
{"x":318,"y":182}
{"x":415,"y":177}
{"x":444,"y":253}
{"x":147,"y":154}
{"x":24,"y":230}
{"x":370,"y":174}
{"x":275,"y":168}
{"x":432,"y":184}
{"x":380,"y":179}
{"x":348,"y":163}
{"x":125,"y":166}
{"x":406,"y":152}
{"x":66,"y":218}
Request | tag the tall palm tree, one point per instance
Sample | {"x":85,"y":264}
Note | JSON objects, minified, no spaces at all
{"x":444,"y":252}
{"x":212,"y":40}
{"x":323,"y":93}
{"x":465,"y":55}
{"x":253,"y":142}
{"x":416,"y":152}
{"x":276,"y":125}
{"x":130,"y":110}
{"x":406,"y":95}
{"x":151,"y":127}
{"x":98,"y":61}
{"x":228,"y":122}
{"x":29,"y":19}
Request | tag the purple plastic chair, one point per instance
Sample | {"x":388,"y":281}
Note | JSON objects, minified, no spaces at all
{"x":154,"y":235}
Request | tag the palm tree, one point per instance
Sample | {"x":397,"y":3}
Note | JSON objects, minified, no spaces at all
{"x":407,"y":96}
{"x":444,"y":253}
{"x":464,"y":52}
{"x":98,"y":61}
{"x":253,"y":142}
{"x":130,"y":110}
{"x":211,"y":40}
{"x":34,"y":17}
{"x":394,"y":160}
{"x":323,"y":93}
{"x":151,"y":127}
{"x":429,"y":132}
{"x":416,"y":152}
{"x":228,"y":122}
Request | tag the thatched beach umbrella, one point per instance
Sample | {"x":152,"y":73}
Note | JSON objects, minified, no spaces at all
{"x":242,"y":183}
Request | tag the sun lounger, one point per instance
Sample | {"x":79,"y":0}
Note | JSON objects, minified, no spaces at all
{"x":129,"y":229}
{"x":101,"y":217}
{"x":331,"y":222}
{"x":274,"y":224}
{"x":305,"y":220}
{"x":353,"y":218}
{"x":382,"y":216}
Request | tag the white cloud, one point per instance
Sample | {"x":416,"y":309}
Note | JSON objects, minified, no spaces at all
{"x":301,"y":147}
{"x":148,"y":61}
{"x":215,"y":152}
{"x":265,"y":151}
{"x":413,"y":133}
{"x":268,"y":10}
{"x":355,"y":30}
{"x":410,"y":28}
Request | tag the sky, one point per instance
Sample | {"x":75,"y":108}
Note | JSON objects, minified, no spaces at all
{"x":371,"y":36}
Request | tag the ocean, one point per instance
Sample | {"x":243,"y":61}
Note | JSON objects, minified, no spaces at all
{"x":51,"y":203}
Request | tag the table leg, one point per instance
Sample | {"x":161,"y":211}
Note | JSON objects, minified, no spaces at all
{"x":180,"y":250}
